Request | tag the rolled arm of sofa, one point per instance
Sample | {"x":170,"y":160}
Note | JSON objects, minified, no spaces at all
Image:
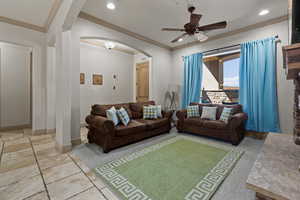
{"x":237,"y":127}
{"x":181,"y":114}
{"x":100,"y":123}
{"x":167,"y":114}
{"x":237,"y":119}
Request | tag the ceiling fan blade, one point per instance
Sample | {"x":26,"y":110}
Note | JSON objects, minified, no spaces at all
{"x":178,"y":38}
{"x":214,"y":26}
{"x":173,"y":29}
{"x":195,"y":19}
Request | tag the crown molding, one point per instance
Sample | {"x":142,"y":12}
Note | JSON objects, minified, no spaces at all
{"x":106,"y":24}
{"x":23,"y":24}
{"x":53,"y":11}
{"x":234,"y":32}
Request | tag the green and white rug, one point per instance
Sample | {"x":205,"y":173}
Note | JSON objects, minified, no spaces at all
{"x":176,"y":169}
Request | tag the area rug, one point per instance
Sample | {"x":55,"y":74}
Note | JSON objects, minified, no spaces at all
{"x":176,"y":169}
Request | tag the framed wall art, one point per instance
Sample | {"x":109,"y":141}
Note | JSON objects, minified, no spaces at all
{"x":97,"y":79}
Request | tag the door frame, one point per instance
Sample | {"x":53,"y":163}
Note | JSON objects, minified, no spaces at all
{"x":30,"y":51}
{"x":146,"y":59}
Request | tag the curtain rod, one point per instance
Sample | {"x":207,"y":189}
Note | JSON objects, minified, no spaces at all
{"x":228,"y":47}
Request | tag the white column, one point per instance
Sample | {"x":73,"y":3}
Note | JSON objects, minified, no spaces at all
{"x":50,"y":118}
{"x":75,"y":109}
{"x":63,"y":91}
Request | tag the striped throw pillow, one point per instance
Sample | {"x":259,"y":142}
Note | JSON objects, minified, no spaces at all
{"x":123,"y":116}
{"x":193,"y":111}
{"x":226,"y":114}
{"x":149,"y":112}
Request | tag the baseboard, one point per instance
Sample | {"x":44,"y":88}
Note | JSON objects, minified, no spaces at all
{"x":63,"y":149}
{"x":256,"y":135}
{"x":76,"y":142}
{"x":39,"y":132}
{"x":13,"y":128}
{"x":50,"y":131}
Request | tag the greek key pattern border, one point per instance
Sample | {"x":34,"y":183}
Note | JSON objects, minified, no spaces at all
{"x":120,"y":183}
{"x":202,"y":191}
{"x":210,"y":183}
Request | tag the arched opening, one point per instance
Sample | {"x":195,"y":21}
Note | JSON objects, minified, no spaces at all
{"x":112,"y":72}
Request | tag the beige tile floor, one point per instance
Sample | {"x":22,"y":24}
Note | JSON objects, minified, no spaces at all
{"x":31,"y":169}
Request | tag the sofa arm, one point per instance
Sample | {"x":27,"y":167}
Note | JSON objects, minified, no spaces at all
{"x":236,"y":123}
{"x":100,"y":123}
{"x":181,"y":114}
{"x":237,"y":119}
{"x":167,"y":114}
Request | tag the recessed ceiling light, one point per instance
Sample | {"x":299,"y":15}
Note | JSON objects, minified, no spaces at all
{"x":264,"y":12}
{"x":111,"y":4}
{"x":180,"y":40}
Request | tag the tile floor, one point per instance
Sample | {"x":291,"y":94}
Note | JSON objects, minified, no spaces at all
{"x":31,"y":169}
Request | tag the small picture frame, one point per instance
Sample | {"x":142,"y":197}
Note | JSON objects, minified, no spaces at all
{"x":97,"y":79}
{"x":82,"y":78}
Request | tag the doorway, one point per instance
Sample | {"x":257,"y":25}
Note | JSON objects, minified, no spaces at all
{"x":15,"y":86}
{"x":142,"y":81}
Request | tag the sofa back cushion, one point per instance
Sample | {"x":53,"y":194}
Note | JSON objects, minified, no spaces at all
{"x":137,"y":108}
{"x":100,"y":110}
{"x":235,"y":108}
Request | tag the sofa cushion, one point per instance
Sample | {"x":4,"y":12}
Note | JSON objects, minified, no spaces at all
{"x":156,"y":123}
{"x":112,"y":115}
{"x":101,"y":109}
{"x":214,"y":124}
{"x":133,"y":127}
{"x":194,"y":121}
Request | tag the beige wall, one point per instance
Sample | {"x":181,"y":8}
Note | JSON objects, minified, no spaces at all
{"x":284,"y":88}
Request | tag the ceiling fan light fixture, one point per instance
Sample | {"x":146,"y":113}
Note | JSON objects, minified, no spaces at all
{"x":180,"y":39}
{"x":201,"y":37}
{"x":111,"y":4}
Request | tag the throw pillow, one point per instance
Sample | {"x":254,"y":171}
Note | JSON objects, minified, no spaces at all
{"x":158,"y":111}
{"x":123,"y":115}
{"x":111,"y":114}
{"x":193,"y":111}
{"x":209,"y":113}
{"x":226,"y":114}
{"x":149,"y":112}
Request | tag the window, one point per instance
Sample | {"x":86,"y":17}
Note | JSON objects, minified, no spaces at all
{"x":231,"y":73}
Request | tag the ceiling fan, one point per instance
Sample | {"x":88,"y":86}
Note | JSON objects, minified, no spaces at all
{"x":193,"y":28}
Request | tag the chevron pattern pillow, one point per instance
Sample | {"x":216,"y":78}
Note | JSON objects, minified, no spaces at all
{"x":149,"y":112}
{"x":193,"y":111}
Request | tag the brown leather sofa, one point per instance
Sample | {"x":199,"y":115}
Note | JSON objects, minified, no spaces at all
{"x":103,"y":132}
{"x":233,"y":131}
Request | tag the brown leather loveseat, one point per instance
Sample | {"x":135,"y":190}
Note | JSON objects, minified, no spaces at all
{"x":232,"y":132}
{"x":103,"y":132}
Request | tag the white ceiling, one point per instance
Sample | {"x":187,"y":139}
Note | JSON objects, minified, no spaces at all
{"x":30,"y":11}
{"x":147,"y":17}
